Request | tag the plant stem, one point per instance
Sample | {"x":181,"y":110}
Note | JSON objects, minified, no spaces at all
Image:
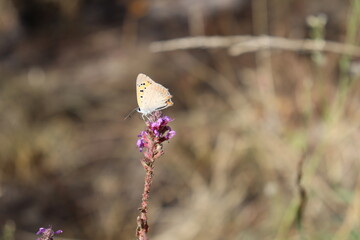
{"x":142,"y":225}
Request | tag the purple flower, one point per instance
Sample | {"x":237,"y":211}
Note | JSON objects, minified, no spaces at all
{"x":157,"y":132}
{"x":47,"y":233}
{"x":156,"y":125}
{"x":170,"y":134}
{"x":142,"y":134}
{"x":161,"y":122}
{"x":167,"y":119}
{"x":140,"y":144}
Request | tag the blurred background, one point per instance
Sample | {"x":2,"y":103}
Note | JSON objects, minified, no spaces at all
{"x":267,"y":143}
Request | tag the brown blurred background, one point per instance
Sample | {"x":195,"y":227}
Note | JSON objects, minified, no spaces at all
{"x":267,"y":143}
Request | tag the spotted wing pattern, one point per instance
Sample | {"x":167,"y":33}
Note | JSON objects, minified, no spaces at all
{"x":151,"y":96}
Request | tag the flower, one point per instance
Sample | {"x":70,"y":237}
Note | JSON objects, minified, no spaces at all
{"x":170,"y":134}
{"x":47,"y":233}
{"x":140,"y":144}
{"x":162,"y":121}
{"x":157,"y":131}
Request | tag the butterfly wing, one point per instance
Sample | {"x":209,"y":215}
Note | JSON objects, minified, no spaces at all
{"x":151,"y":96}
{"x":142,"y":82}
{"x":158,"y":98}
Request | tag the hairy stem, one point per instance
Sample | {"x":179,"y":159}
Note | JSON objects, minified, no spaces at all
{"x":142,"y":225}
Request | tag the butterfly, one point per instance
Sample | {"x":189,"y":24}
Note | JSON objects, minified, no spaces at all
{"x":151,"y":96}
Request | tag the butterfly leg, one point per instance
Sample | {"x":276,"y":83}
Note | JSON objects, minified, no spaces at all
{"x":145,"y":117}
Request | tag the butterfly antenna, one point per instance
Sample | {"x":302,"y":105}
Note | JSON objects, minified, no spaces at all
{"x":130,"y":114}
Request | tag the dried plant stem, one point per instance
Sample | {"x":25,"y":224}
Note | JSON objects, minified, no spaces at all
{"x":302,"y":193}
{"x":238,"y":45}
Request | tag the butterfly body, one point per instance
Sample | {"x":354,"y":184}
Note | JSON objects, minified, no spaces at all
{"x":151,"y":96}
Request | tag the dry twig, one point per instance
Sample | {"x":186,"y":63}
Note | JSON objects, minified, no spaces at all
{"x":238,"y":45}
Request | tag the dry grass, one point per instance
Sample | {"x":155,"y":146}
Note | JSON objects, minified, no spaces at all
{"x":267,"y":143}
